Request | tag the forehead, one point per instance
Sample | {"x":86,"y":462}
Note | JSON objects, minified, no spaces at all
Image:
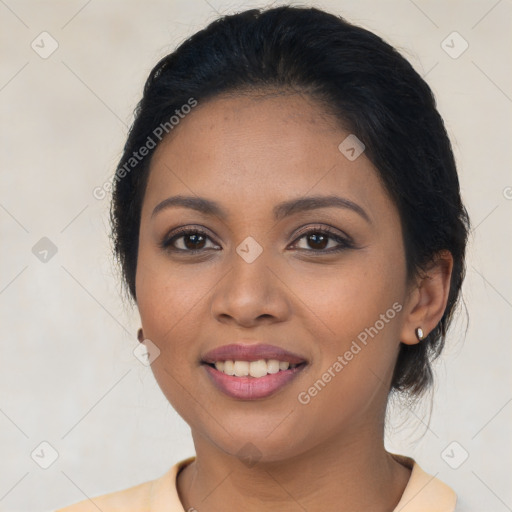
{"x":253,"y":148}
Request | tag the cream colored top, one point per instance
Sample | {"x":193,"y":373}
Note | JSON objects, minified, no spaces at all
{"x":423,"y":493}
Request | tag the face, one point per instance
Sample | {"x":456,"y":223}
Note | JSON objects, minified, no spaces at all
{"x":324,"y":282}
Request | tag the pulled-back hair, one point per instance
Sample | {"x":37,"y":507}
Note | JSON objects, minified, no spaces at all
{"x":371,"y":89}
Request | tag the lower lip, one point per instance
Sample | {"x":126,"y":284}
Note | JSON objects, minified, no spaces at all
{"x":251,"y":388}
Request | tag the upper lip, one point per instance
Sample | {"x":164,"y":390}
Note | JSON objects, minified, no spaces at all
{"x":244,"y":352}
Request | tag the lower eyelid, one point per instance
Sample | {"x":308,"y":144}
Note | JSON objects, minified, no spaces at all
{"x":342,"y":243}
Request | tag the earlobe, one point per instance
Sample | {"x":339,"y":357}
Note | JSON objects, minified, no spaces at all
{"x":428,"y":300}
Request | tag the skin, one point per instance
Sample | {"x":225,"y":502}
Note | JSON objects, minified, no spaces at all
{"x":249,"y":153}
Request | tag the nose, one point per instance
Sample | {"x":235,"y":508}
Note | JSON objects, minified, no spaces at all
{"x":251,"y":294}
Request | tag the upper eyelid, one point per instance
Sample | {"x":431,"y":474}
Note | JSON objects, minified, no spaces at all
{"x":330,"y":231}
{"x":333,"y":232}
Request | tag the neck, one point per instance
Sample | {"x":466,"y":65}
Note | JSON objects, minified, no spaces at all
{"x":353,"y":475}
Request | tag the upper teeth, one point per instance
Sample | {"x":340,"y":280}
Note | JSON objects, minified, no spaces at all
{"x":258,"y":368}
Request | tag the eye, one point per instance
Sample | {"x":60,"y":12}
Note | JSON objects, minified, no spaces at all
{"x":319,"y":239}
{"x":187,"y":240}
{"x":195,"y":240}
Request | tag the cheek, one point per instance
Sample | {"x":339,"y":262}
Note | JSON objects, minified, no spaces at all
{"x":168,"y":294}
{"x":351,"y":295}
{"x":354,"y":361}
{"x":357,"y":319}
{"x":166,"y":301}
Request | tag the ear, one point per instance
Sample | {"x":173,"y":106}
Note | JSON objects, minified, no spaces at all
{"x":427,"y":299}
{"x":140,"y":335}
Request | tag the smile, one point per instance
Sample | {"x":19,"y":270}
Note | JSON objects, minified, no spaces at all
{"x":251,"y":371}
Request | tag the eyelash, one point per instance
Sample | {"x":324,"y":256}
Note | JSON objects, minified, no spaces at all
{"x":345,"y":243}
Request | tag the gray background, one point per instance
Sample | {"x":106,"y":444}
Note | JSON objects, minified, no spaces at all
{"x":67,"y":372}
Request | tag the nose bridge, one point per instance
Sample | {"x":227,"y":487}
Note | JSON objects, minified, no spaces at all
{"x":251,"y":261}
{"x":250,"y":289}
{"x":250,"y":273}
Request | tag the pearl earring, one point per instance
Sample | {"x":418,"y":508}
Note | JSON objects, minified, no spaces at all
{"x":419,"y":333}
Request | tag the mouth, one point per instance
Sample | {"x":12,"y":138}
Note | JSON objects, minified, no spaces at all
{"x":253,"y":369}
{"x":249,"y":372}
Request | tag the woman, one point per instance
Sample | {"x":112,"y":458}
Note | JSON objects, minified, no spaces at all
{"x":288,"y":219}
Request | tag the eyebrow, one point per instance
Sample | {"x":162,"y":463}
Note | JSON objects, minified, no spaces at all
{"x":280,"y":211}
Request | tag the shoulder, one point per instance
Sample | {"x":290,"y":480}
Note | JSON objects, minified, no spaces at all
{"x":133,"y":498}
{"x":424,"y":492}
{"x":142,"y":497}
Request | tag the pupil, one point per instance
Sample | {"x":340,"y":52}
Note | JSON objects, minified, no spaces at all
{"x":195,"y":239}
{"x":315,"y":239}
